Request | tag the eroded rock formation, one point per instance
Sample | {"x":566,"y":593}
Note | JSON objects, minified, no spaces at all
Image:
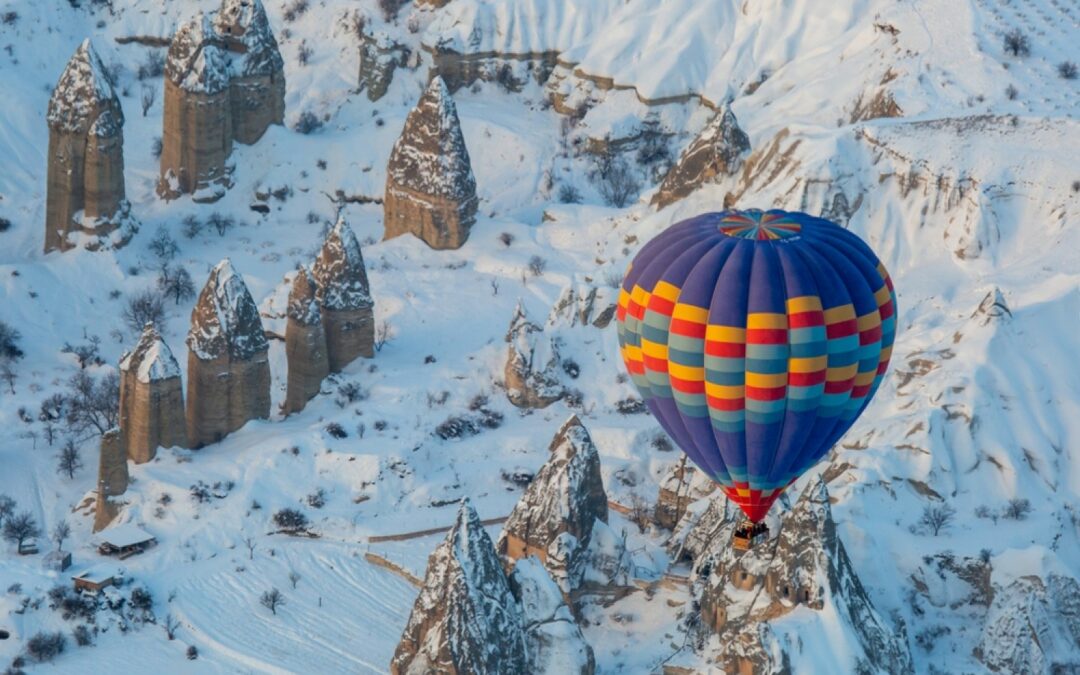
{"x":112,"y":478}
{"x":86,"y":159}
{"x":465,"y":619}
{"x":305,"y":343}
{"x":224,"y":81}
{"x":1033,"y":626}
{"x":344,"y":298}
{"x":533,"y":364}
{"x":228,"y":370}
{"x":683,"y":485}
{"x":151,"y":398}
{"x":555,"y":518}
{"x":556,"y":645}
{"x":806,"y":565}
{"x":380,"y":56}
{"x":430,"y":188}
{"x":718,"y":150}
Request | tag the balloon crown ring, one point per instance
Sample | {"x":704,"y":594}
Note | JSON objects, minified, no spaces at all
{"x":759,"y":225}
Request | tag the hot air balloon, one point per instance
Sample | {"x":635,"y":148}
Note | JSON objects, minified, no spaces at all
{"x":756,"y":338}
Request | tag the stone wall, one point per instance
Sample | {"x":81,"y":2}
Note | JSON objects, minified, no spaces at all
{"x":441,"y":223}
{"x":151,"y":416}
{"x":223,"y":395}
{"x":112,"y":478}
{"x":349,"y":334}
{"x":196,"y":141}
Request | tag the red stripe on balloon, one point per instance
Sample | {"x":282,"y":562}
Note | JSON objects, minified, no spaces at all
{"x":806,"y":319}
{"x":726,"y":404}
{"x":766,"y":393}
{"x":806,"y":379}
{"x":870,"y":335}
{"x":661,"y":305}
{"x":842,"y":329}
{"x":687,"y":387}
{"x":687,"y":328}
{"x":766,"y":336}
{"x":731,"y":350}
{"x":655,"y":364}
{"x":839,"y":386}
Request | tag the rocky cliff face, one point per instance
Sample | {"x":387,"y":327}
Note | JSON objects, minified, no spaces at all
{"x":305,"y":343}
{"x":86,"y":200}
{"x":1033,"y":626}
{"x":224,"y":81}
{"x":228,"y":370}
{"x":556,"y":645}
{"x":465,"y":619}
{"x":380,"y":56}
{"x":344,"y":297}
{"x":682,"y":486}
{"x":804,"y":565}
{"x":555,"y":518}
{"x":430,"y":188}
{"x":718,"y":151}
{"x":533,"y":365}
{"x":112,"y":478}
{"x":151,"y":398}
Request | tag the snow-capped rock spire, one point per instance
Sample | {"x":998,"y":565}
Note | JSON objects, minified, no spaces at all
{"x":197,"y":61}
{"x":465,"y":619}
{"x":225,"y":320}
{"x":84,"y":100}
{"x":151,"y":360}
{"x":561,"y":505}
{"x":246,"y":30}
{"x":430,"y":187}
{"x":303,"y":306}
{"x":339,"y":271}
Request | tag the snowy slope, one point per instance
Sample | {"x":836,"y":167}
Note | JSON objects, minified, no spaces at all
{"x":967,"y":192}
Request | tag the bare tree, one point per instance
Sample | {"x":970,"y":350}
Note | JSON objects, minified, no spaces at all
{"x":250,"y":543}
{"x":618,"y":184}
{"x":272,"y":599}
{"x":149,"y":95}
{"x":93,"y":405}
{"x":1017,"y":508}
{"x":7,"y":373}
{"x":142,"y":308}
{"x":170,"y":626}
{"x":936,"y":518}
{"x":7,"y":508}
{"x":639,"y":512}
{"x":294,"y":578}
{"x":68,"y":461}
{"x":163,"y":246}
{"x":383,"y":333}
{"x":176,"y":284}
{"x":19,"y":528}
{"x":61,"y":532}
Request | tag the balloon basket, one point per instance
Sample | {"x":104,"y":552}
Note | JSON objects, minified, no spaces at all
{"x":748,"y":535}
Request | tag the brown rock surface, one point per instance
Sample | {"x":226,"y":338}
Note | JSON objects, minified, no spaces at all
{"x":430,"y":188}
{"x":151,"y":398}
{"x":465,"y":620}
{"x":305,"y":344}
{"x":718,"y":150}
{"x":224,"y":81}
{"x":531,"y":373}
{"x":112,"y":478}
{"x":228,"y":370}
{"x":86,"y":158}
{"x":555,"y":517}
{"x":344,"y":298}
{"x":380,"y":56}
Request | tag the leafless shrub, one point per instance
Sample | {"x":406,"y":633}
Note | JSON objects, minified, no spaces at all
{"x":147,"y":98}
{"x":1017,"y":509}
{"x":153,"y":66}
{"x":271,"y":600}
{"x":1067,"y":70}
{"x":1016,"y":42}
{"x":92,"y":405}
{"x":936,"y":518}
{"x":142,"y":308}
{"x":537,"y":265}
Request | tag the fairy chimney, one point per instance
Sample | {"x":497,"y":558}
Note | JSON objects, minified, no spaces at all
{"x":85,"y":188}
{"x":430,"y":188}
{"x":533,"y":364}
{"x":257,"y":84}
{"x":228,"y":370}
{"x":717,"y":151}
{"x":151,"y":398}
{"x":465,"y":619}
{"x":344,"y":298}
{"x":554,"y":519}
{"x":112,"y":478}
{"x":305,"y":343}
{"x":197,"y":135}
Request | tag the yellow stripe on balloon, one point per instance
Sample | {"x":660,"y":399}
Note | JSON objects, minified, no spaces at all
{"x":868,"y":321}
{"x":841,"y":313}
{"x":688,"y":373}
{"x":690,"y":313}
{"x":654,"y":349}
{"x":766,"y":380}
{"x":766,"y":320}
{"x":804,"y":303}
{"x":731,"y":334}
{"x":666,"y":291}
{"x":808,"y":365}
{"x":841,"y":373}
{"x":726,"y":391}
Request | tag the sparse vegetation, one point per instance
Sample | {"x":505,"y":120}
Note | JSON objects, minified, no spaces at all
{"x":221,"y":224}
{"x":44,"y":647}
{"x":308,"y":122}
{"x":142,"y":308}
{"x":92,"y":404}
{"x":537,"y":265}
{"x":1016,"y":42}
{"x":147,"y":98}
{"x":937,"y":517}
{"x":176,"y":283}
{"x":335,"y":430}
{"x":1011,"y":92}
{"x":569,"y":194}
{"x":630,"y":406}
{"x":271,"y":600}
{"x":9,"y":342}
{"x":1017,"y":509}
{"x":68,"y":460}
{"x":19,"y":528}
{"x":295,"y":10}
{"x":1067,"y":70}
{"x":317,"y":499}
{"x":153,"y":66}
{"x":290,"y":520}
{"x":506,"y":238}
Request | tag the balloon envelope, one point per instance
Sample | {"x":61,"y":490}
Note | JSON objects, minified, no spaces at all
{"x":756,"y":338}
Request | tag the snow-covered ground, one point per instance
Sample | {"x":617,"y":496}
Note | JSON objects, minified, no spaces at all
{"x":970,"y":191}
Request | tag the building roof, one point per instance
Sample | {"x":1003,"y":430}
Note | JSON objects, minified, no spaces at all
{"x":99,"y":574}
{"x":125,"y":535}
